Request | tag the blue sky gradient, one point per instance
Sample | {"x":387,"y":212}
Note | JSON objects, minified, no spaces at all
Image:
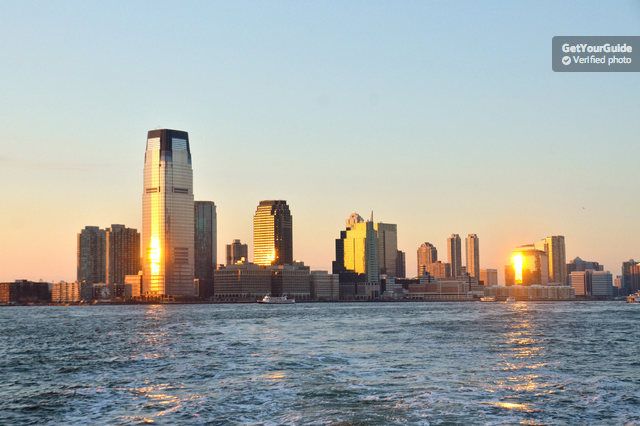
{"x":439,"y":116}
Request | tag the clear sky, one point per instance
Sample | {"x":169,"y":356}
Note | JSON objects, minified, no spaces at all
{"x":440,"y":116}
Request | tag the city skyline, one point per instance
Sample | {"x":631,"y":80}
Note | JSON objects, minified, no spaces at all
{"x":521,"y":151}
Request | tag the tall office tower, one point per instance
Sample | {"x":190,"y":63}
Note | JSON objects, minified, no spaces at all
{"x":205,"y":245}
{"x":272,"y":234}
{"x":237,"y":252}
{"x":472,"y":248}
{"x":167,"y":215}
{"x":555,"y":249}
{"x":401,"y":265}
{"x":122,"y":253}
{"x":454,"y":254}
{"x":427,"y":254}
{"x":387,"y":248}
{"x":91,"y":255}
{"x":357,"y":249}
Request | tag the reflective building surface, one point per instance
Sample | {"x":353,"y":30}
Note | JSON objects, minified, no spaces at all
{"x":272,"y":233}
{"x":168,"y":215}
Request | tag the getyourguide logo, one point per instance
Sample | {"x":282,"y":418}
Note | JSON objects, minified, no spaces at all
{"x":602,"y":48}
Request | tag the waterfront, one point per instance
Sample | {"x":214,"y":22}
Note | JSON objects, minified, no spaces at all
{"x":571,"y":362}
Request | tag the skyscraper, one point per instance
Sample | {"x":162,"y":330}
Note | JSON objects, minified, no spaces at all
{"x":122,"y":255}
{"x":357,"y":249}
{"x":237,"y":252}
{"x":91,"y":255}
{"x":167,"y":215}
{"x":454,"y":254}
{"x":387,"y":234}
{"x":401,"y":265}
{"x":472,"y":248}
{"x":272,"y":233}
{"x":205,"y":245}
{"x":529,"y":266}
{"x":555,"y":249}
{"x":427,"y":254}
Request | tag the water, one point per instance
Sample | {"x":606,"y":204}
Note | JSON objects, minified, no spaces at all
{"x":366,"y":363}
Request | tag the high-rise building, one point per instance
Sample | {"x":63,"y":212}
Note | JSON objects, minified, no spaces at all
{"x":168,"y":215}
{"x":401,"y":265}
{"x":630,"y":276}
{"x":237,"y":252}
{"x":528,"y":267}
{"x":454,"y":255}
{"x":205,"y":245}
{"x":472,"y":248}
{"x":387,"y":234}
{"x":427,"y":254}
{"x":272,"y":234}
{"x":122,"y":253}
{"x":91,"y":255}
{"x":357,"y":249}
{"x":489,"y":277}
{"x":439,"y":270}
{"x":554,"y":247}
{"x":592,"y":283}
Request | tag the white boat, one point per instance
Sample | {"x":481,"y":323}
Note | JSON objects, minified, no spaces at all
{"x":276,"y":300}
{"x":488,"y":299}
{"x":510,"y":299}
{"x":634,"y":298}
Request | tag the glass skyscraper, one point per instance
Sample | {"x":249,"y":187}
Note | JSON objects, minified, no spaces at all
{"x":205,"y":245}
{"x":472,"y":248}
{"x":168,"y":216}
{"x":272,"y":233}
{"x":454,"y":254}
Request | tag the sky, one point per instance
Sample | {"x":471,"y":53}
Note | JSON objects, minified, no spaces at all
{"x":442,"y":117}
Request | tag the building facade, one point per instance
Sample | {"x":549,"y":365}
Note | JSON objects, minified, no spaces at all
{"x":401,"y":265}
{"x":554,"y":247}
{"x":122,"y":253}
{"x":454,"y":255}
{"x":168,"y":216}
{"x":205,"y":246}
{"x":91,"y":251}
{"x":272,"y":233}
{"x":528,"y":266}
{"x":427,"y":254}
{"x":489,"y":277}
{"x":357,"y":249}
{"x":472,"y":249}
{"x":387,"y":234}
{"x":237,"y":253}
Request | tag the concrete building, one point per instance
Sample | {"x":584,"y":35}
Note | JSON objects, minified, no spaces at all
{"x":472,"y":249}
{"x":134,"y":282}
{"x":427,"y":254}
{"x":64,"y":292}
{"x":592,"y":283}
{"x":122,"y":253}
{"x":387,"y":234}
{"x":401,"y":265}
{"x":23,"y":291}
{"x":324,"y":286}
{"x":91,"y":257}
{"x":237,"y":253}
{"x":489,"y":277}
{"x":454,"y":255}
{"x":630,"y":277}
{"x":554,"y":247}
{"x":438,"y":270}
{"x":168,"y":216}
{"x":272,"y":233}
{"x":293,"y":281}
{"x":533,"y":292}
{"x":205,"y":246}
{"x":245,"y":282}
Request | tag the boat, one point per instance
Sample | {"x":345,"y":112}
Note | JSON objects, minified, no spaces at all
{"x":488,"y":299}
{"x":510,"y":299}
{"x":276,"y":300}
{"x":634,"y":298}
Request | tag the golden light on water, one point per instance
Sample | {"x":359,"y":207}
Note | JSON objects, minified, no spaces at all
{"x":517,"y":261}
